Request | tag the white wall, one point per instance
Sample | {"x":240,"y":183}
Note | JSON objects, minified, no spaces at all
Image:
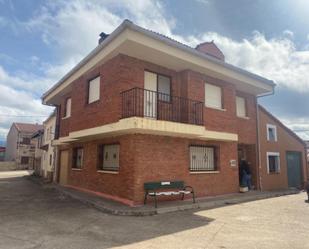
{"x":11,"y":144}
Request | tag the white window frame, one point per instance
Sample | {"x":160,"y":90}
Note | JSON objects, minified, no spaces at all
{"x":94,"y":86}
{"x":68,"y":107}
{"x":209,"y":105}
{"x":106,"y":164}
{"x":243,"y":100}
{"x":270,"y":126}
{"x":267,"y":159}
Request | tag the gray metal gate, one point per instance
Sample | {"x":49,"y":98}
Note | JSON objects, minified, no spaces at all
{"x":294,"y":168}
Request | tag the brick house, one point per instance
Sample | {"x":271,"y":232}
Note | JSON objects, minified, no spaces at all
{"x":143,"y":107}
{"x":282,"y":154}
{"x":19,"y":146}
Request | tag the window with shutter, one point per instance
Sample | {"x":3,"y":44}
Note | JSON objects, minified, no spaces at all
{"x":164,"y":88}
{"x":241,"y":107}
{"x":78,"y":158}
{"x":109,"y":157}
{"x":67,"y":112}
{"x":213,"y":96}
{"x":94,"y":90}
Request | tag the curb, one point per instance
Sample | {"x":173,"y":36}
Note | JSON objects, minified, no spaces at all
{"x":205,"y":205}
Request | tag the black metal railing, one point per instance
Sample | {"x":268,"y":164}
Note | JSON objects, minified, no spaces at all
{"x":139,"y":102}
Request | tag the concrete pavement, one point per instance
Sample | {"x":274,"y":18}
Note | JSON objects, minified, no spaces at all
{"x":36,"y":217}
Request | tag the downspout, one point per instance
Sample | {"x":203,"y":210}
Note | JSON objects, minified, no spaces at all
{"x":258,"y":136}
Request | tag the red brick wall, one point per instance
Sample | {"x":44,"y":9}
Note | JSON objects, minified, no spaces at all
{"x":286,"y":142}
{"x":144,"y":157}
{"x":123,"y":72}
{"x":154,"y":158}
{"x":121,"y":184}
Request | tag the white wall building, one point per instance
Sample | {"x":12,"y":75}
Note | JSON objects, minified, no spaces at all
{"x":48,"y":155}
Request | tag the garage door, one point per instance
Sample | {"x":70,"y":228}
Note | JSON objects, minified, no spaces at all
{"x":294,"y":163}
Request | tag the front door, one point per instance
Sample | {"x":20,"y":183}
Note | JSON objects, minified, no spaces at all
{"x":294,"y":163}
{"x":150,"y":95}
{"x":64,"y":167}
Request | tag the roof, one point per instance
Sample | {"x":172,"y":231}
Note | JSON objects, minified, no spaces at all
{"x":127,"y":24}
{"x":292,"y":133}
{"x":38,"y":133}
{"x":24,"y":127}
{"x":212,"y":49}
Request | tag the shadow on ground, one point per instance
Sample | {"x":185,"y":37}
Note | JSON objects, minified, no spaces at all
{"x":32,"y":216}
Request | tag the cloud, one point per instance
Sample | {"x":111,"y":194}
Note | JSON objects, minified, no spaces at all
{"x":275,"y":58}
{"x":71,"y":29}
{"x":19,"y":101}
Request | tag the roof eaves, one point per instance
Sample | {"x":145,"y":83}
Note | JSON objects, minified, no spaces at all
{"x":189,"y":49}
{"x":127,"y":23}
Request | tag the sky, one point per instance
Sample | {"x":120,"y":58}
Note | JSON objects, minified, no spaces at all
{"x":40,"y":41}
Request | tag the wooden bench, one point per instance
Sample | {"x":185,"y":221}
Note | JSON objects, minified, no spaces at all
{"x":155,"y":189}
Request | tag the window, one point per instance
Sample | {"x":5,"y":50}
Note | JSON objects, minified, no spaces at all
{"x":94,"y":90}
{"x":67,"y":112}
{"x":241,"y":107}
{"x":273,"y":162}
{"x":25,"y":140}
{"x":213,"y":96}
{"x":78,"y":158}
{"x":24,"y":160}
{"x":202,"y":158}
{"x":271,"y":133}
{"x":109,"y":157}
{"x":164,"y":88}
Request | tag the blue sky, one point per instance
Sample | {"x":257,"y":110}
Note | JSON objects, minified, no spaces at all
{"x":41,"y":40}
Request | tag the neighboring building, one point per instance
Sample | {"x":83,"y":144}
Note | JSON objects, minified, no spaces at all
{"x":19,"y":146}
{"x":307,"y":150}
{"x":37,"y":140}
{"x":2,"y":153}
{"x":283,"y":154}
{"x":47,"y":147}
{"x":142,"y":107}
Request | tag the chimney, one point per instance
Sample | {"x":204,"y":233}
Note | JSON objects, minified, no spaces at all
{"x":103,"y":36}
{"x":210,"y":48}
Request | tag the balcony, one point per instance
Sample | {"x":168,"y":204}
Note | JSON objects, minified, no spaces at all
{"x":139,"y":102}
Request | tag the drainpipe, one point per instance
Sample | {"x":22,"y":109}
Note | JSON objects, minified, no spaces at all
{"x":258,"y":136}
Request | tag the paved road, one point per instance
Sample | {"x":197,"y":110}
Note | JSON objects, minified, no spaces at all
{"x":35,"y":217}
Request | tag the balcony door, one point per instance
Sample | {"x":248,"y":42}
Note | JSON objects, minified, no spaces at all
{"x":150,"y":94}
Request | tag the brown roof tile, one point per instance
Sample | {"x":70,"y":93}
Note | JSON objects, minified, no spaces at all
{"x":28,"y":127}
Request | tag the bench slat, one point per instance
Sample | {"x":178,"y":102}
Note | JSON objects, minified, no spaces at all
{"x":164,"y":185}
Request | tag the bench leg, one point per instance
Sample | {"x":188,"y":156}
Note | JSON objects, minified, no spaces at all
{"x":145,"y":198}
{"x":155,"y":197}
{"x":182,"y":196}
{"x":193,"y":196}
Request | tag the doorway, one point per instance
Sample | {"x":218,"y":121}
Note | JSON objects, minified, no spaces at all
{"x":64,"y":167}
{"x":294,"y":171}
{"x":150,"y":95}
